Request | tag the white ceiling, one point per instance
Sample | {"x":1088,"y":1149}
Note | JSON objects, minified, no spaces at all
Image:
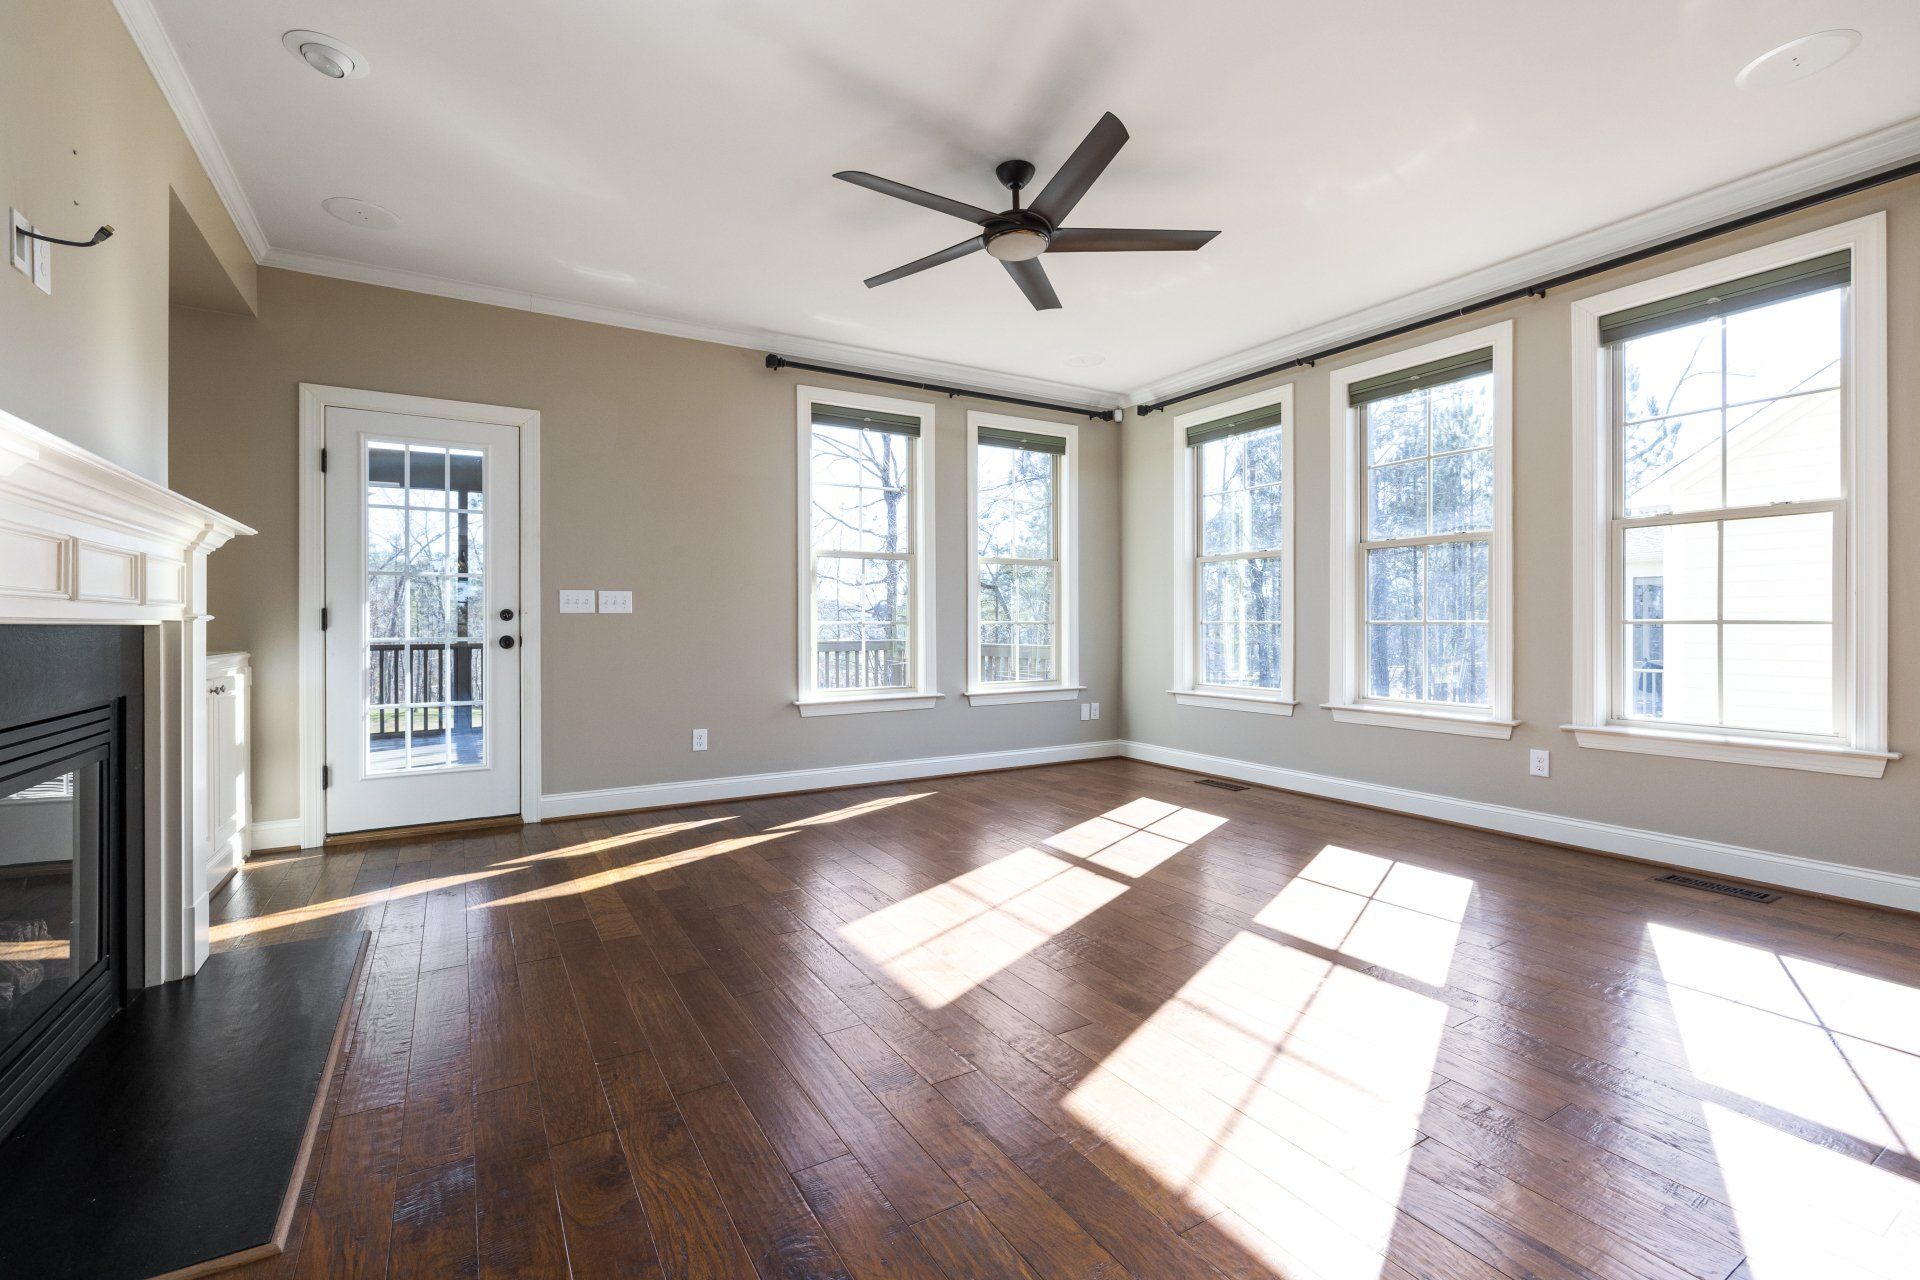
{"x":673,"y":160}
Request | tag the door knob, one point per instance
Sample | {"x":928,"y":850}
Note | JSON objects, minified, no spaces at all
{"x":506,"y":615}
{"x":506,"y":642}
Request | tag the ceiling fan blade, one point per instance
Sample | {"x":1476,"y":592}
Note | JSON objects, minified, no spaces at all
{"x":948,"y":254}
{"x":1117,"y":240}
{"x":1034,"y":283}
{"x":1088,"y":161}
{"x":914,"y":195}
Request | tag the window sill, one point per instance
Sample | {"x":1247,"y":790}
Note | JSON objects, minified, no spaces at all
{"x":1725,"y":748}
{"x":1259,"y":704}
{"x":1425,"y":721}
{"x":860,"y":703}
{"x":1008,"y":695}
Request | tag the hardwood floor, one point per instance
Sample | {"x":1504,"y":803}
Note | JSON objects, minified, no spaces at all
{"x":1091,"y":1020}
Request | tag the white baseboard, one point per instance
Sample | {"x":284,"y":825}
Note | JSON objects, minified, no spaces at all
{"x":277,"y":833}
{"x":659,"y":795}
{"x":1882,"y":888}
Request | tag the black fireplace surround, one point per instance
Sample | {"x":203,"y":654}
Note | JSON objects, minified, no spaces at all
{"x":70,"y":838}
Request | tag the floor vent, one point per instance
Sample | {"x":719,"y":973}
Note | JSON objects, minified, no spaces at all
{"x":1720,"y":886}
{"x":1219,"y":785}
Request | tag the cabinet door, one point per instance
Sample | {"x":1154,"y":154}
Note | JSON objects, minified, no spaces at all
{"x":226,"y":759}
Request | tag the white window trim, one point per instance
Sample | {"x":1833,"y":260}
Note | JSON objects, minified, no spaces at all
{"x":1065,"y":686}
{"x":1187,"y":690}
{"x":1347,"y":669}
{"x":1863,"y":752}
{"x":920,"y":650}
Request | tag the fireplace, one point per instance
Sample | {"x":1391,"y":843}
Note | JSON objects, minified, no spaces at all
{"x":70,"y":809}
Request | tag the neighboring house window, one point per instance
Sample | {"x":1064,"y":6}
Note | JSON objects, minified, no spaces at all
{"x":1731,"y":603}
{"x":1730,"y":496}
{"x":865,"y":642}
{"x":1234,"y":613}
{"x":1022,"y":642}
{"x":1421,"y":538}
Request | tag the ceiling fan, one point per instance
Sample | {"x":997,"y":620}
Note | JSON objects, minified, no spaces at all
{"x":1017,"y":237}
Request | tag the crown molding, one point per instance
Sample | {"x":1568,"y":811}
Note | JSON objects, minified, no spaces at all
{"x":1857,"y":158}
{"x":163,"y":60}
{"x":892,"y":364}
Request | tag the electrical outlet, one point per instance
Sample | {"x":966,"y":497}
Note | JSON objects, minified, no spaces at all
{"x":616,"y":602}
{"x":699,"y":739}
{"x":19,"y":247}
{"x":1096,"y":711}
{"x":576,"y":602}
{"x":43,"y":266}
{"x":1537,"y":763}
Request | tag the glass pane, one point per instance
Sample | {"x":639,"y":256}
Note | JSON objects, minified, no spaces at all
{"x":861,"y":607}
{"x":1463,"y":492}
{"x":1264,"y":516}
{"x":428,"y":606}
{"x":1674,"y":371}
{"x":1670,"y":464}
{"x":1016,"y":503}
{"x":1780,"y":677}
{"x":464,"y":471}
{"x":386,"y":740}
{"x":1672,"y":571}
{"x":1463,"y":414}
{"x":1397,"y":428}
{"x":1394,"y":588}
{"x":1457,"y":579}
{"x":1225,"y":523}
{"x":1223,"y":464}
{"x":1397,"y":501}
{"x":469,"y":742}
{"x":426,"y":476}
{"x":1242,"y":654}
{"x":1240,"y":493}
{"x":1784,"y":450}
{"x":1674,"y":672}
{"x":431,"y":746}
{"x":386,"y":538}
{"x":1787,"y":347}
{"x":427,"y":548}
{"x":1265,"y":455}
{"x":1457,"y":663}
{"x":469,"y":609}
{"x":1780,"y":568}
{"x":386,"y":599}
{"x":1394,"y":661}
{"x":50,"y":894}
{"x":859,"y":485}
{"x":387,"y":474}
{"x":1240,"y":590}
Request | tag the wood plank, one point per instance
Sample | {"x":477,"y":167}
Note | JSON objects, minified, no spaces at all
{"x":606,"y":1229}
{"x":519,"y":1218}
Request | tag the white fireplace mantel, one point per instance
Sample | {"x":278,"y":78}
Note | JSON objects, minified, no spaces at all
{"x":83,"y":540}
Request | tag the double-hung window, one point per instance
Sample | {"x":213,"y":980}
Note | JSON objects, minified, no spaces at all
{"x":1022,"y":642}
{"x":865,"y":638}
{"x":1420,"y":545}
{"x":1734,"y":535}
{"x":1234,"y":648}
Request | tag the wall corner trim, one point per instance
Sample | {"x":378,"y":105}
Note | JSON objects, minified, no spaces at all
{"x":1857,"y":884}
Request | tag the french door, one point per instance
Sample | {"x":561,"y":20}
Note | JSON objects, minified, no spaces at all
{"x":422,"y":579}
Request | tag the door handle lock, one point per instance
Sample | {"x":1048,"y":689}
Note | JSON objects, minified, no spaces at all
{"x":506,"y":642}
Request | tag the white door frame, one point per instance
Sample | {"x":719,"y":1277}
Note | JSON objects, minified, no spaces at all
{"x":314,"y":402}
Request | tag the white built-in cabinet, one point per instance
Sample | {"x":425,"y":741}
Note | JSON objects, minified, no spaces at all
{"x":229,"y":739}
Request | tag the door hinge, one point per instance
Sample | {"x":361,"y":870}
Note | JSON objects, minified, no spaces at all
{"x":323,"y":617}
{"x":326,"y":776}
{"x":323,"y":461}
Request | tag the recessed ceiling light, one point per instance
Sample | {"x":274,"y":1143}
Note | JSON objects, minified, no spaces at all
{"x":1798,"y":59}
{"x":1087,"y":361}
{"x":325,"y":54}
{"x":360,"y":213}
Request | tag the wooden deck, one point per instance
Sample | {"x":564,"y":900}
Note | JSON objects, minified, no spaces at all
{"x":1092,"y":1020}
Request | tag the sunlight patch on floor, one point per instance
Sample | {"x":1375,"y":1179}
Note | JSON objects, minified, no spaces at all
{"x":1375,"y":910}
{"x":616,"y":875}
{"x":611,"y":842}
{"x":853,"y":811}
{"x":230,"y":929}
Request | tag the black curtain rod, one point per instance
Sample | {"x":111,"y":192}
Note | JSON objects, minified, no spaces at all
{"x":1098,"y":415}
{"x":1539,"y":290}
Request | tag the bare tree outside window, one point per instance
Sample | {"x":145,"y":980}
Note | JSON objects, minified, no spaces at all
{"x":862,"y":535}
{"x":1238,"y":569}
{"x":1017,"y":544}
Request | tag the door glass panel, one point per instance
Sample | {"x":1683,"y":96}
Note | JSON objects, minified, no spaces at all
{"x":425,"y":623}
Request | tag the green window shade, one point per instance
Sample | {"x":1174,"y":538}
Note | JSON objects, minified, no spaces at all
{"x":1468,"y":364}
{"x":1031,"y":441}
{"x":898,"y":424}
{"x":1238,"y":425}
{"x":1812,"y":276}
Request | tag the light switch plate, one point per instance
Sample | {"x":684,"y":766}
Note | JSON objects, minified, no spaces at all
{"x":43,"y":266}
{"x":19,"y":248}
{"x":576,"y":602}
{"x":616,"y":602}
{"x":1086,"y":711}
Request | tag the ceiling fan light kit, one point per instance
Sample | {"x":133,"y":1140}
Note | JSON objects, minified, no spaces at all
{"x":1016,"y":237}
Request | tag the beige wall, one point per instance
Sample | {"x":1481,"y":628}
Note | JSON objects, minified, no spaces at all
{"x":1848,"y":820}
{"x":667,"y":468}
{"x":86,"y":138}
